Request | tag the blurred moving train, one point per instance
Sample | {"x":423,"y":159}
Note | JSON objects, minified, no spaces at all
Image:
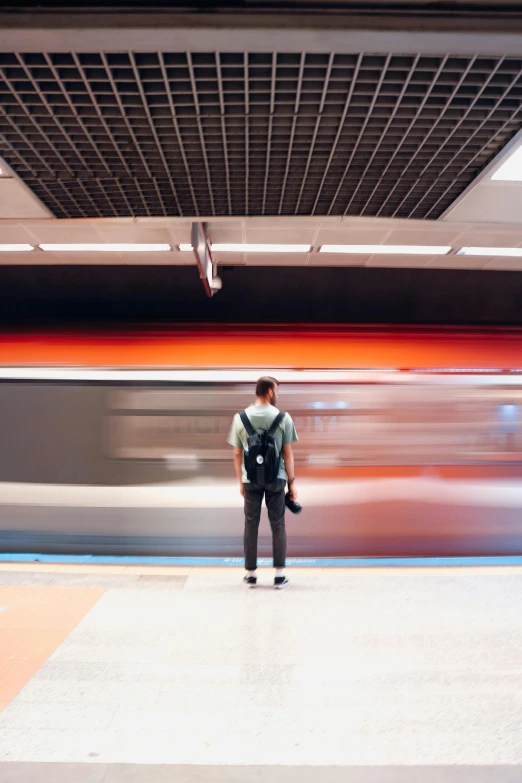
{"x":410,"y":441}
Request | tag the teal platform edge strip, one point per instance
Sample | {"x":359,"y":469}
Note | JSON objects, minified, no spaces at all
{"x":308,"y":562}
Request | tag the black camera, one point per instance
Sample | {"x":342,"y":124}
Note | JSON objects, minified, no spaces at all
{"x":292,"y":505}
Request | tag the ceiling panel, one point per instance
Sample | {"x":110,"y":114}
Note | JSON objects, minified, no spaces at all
{"x":112,"y":232}
{"x":226,"y":232}
{"x":330,"y":259}
{"x":507,"y":264}
{"x":488,"y":201}
{"x":15,"y":234}
{"x":298,"y":235}
{"x":186,"y":258}
{"x":432,"y":235}
{"x":174,"y":231}
{"x":230,"y":258}
{"x":47,"y":258}
{"x":456,"y":262}
{"x":17,"y":200}
{"x":491,"y":238}
{"x":58,"y":231}
{"x":274,"y":259}
{"x":107,"y":134}
{"x":371,"y":235}
{"x":400,"y":261}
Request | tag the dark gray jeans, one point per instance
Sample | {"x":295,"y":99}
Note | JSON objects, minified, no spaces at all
{"x":274,"y":494}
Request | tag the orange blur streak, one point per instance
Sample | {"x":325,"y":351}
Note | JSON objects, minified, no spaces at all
{"x":267,"y":347}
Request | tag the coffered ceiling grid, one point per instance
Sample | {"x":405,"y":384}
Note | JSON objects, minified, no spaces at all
{"x":217,"y":134}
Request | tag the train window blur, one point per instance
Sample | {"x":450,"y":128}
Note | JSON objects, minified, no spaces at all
{"x":338,"y":424}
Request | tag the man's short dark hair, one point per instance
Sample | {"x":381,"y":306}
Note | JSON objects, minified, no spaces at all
{"x":264,"y":384}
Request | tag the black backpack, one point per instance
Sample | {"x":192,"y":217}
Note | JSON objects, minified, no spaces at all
{"x":261,"y":457}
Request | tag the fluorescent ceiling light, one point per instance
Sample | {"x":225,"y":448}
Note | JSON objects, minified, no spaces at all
{"x":15,"y":248}
{"x":185,"y":248}
{"x":121,"y":247}
{"x":388,"y":250}
{"x":511,"y":170}
{"x":249,"y":248}
{"x":490,"y":251}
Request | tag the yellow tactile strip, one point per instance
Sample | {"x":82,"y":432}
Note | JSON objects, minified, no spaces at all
{"x":35,"y":622}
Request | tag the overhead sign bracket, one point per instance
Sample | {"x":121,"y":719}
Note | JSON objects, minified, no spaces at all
{"x":203,"y":254}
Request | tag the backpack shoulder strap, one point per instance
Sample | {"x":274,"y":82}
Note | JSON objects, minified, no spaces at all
{"x":246,"y":424}
{"x":277,"y":421}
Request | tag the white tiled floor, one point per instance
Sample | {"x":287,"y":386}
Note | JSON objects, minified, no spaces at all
{"x":345,"y":667}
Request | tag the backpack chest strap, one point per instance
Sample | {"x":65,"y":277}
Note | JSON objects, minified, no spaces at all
{"x":273,"y":427}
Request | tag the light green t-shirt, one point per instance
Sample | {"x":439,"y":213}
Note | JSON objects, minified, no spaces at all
{"x":261,"y":418}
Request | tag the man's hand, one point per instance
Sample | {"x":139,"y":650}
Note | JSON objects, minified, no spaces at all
{"x":293,"y":492}
{"x":242,"y":490}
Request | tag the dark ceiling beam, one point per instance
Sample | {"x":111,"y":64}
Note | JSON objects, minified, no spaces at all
{"x":491,"y":29}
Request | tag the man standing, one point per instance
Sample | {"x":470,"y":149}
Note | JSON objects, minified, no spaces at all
{"x":261,"y":418}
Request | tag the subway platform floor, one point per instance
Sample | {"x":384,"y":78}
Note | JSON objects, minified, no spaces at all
{"x":117,"y":674}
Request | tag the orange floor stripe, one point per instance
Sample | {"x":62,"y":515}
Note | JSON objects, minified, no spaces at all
{"x":33,"y":625}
